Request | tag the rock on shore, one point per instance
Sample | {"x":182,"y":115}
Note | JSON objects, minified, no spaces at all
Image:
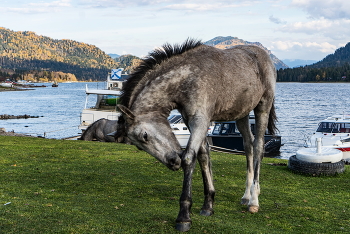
{"x":5,"y":116}
{"x":4,"y":133}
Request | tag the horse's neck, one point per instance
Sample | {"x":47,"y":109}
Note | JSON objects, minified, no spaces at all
{"x":153,"y":110}
{"x":156,"y":101}
{"x":159,"y":112}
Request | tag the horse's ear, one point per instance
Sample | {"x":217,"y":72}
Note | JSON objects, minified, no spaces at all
{"x":129,"y":116}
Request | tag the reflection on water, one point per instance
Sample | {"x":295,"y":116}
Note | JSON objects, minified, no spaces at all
{"x":299,"y":107}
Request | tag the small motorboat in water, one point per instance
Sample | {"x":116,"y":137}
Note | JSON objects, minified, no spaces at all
{"x":6,"y":84}
{"x":55,"y":84}
{"x":226,"y":137}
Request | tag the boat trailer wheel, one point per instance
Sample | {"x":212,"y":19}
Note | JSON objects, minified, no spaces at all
{"x":315,"y":169}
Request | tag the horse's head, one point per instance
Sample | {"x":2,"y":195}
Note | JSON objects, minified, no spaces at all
{"x":153,"y":135}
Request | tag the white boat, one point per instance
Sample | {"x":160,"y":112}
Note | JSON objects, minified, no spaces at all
{"x":22,"y":82}
{"x":180,"y":129}
{"x":6,"y":85}
{"x":106,"y":100}
{"x":333,"y":132}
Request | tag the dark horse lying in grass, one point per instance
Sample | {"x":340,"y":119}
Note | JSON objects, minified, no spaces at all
{"x":100,"y":130}
{"x":204,"y":84}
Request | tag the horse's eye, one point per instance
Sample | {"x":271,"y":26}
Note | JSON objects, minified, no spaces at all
{"x":145,"y":136}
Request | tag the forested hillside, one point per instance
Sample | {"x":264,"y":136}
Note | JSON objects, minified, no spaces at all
{"x":29,"y":51}
{"x":36,"y":76}
{"x":128,"y":62}
{"x":334,"y":67}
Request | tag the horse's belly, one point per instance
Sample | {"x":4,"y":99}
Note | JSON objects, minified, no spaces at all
{"x":230,"y":115}
{"x":237,"y":107}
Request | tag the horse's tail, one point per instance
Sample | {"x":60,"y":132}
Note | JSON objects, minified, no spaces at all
{"x":271,"y":127}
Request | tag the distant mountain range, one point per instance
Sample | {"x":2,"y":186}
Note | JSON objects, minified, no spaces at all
{"x":114,"y":56}
{"x":298,"y":62}
{"x":25,"y":50}
{"x":229,"y":42}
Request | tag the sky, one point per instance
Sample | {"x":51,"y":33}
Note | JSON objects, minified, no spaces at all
{"x":291,"y":29}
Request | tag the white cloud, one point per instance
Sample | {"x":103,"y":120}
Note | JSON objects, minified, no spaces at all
{"x":196,"y":7}
{"x":23,"y":10}
{"x":61,"y":3}
{"x":38,"y":8}
{"x":309,"y":27}
{"x":187,"y":5}
{"x":119,"y":3}
{"x":323,"y":47}
{"x":285,"y":45}
{"x":334,"y":29}
{"x":329,"y":9}
{"x":276,"y":20}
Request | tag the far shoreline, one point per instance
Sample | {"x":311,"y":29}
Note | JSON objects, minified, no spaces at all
{"x":13,"y":89}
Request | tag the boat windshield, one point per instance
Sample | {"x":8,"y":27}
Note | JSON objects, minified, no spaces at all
{"x":104,"y":102}
{"x":175,"y":119}
{"x":331,"y":127}
{"x":224,"y":129}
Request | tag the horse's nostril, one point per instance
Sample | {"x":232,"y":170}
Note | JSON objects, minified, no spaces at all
{"x":172,"y":161}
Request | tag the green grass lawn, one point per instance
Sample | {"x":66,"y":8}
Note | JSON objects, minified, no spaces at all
{"x":58,"y":186}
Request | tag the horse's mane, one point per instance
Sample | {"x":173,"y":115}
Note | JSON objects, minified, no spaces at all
{"x":134,"y":83}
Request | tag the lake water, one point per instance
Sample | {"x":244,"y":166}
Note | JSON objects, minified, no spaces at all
{"x":59,"y":109}
{"x":299,"y":106}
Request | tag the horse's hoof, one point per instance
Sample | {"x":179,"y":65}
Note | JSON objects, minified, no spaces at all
{"x":244,"y":201}
{"x":253,"y":209}
{"x":206,"y":212}
{"x":183,"y":227}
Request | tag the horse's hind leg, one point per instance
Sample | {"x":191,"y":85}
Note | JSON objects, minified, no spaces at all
{"x":261,"y":121}
{"x":207,"y":175}
{"x":248,"y":138}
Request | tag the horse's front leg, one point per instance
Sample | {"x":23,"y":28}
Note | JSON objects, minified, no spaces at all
{"x":183,"y":221}
{"x":198,"y":128}
{"x":207,"y":175}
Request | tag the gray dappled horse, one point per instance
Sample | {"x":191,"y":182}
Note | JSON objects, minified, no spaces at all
{"x":205,"y":84}
{"x":99,"y":131}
